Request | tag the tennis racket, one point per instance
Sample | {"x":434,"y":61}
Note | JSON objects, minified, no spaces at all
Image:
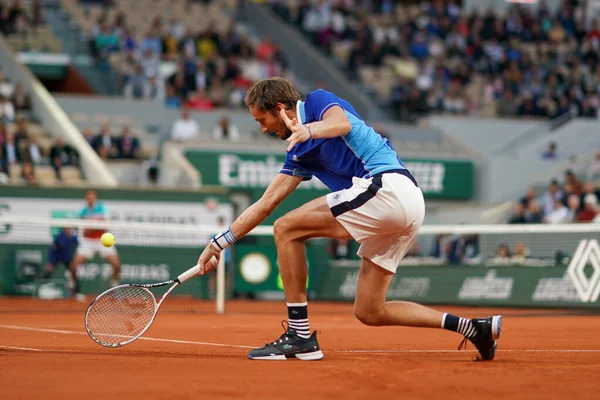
{"x":123,"y":313}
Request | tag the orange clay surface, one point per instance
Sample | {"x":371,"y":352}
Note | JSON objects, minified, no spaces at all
{"x":192,"y":353}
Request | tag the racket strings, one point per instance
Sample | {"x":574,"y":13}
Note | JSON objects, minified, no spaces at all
{"x":121,"y":315}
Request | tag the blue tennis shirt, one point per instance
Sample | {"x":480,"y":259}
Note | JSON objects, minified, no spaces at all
{"x":335,"y":161}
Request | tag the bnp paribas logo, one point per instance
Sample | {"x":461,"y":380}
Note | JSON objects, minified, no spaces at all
{"x":587,"y":253}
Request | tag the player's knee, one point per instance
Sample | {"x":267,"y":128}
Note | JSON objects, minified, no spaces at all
{"x":281,"y":229}
{"x":369,"y":315}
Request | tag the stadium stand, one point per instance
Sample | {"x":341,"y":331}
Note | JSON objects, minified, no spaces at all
{"x":207,"y":58}
{"x":25,"y":27}
{"x":572,"y":196}
{"x":28,"y":154}
{"x":434,"y":58}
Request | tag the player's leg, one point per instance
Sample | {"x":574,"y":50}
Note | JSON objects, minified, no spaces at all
{"x":313,"y":219}
{"x":78,"y":259}
{"x":109,"y":254}
{"x":114,"y":260}
{"x":371,"y":308}
{"x":387,"y":227}
{"x":290,"y":232}
{"x":50,"y":267}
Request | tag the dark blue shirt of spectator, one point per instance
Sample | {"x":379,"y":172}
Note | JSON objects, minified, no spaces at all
{"x":62,"y":250}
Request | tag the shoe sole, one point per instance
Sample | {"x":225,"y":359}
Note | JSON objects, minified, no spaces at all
{"x":312,"y":356}
{"x":496,"y":326}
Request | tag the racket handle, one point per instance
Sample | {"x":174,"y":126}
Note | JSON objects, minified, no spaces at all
{"x":190,"y":273}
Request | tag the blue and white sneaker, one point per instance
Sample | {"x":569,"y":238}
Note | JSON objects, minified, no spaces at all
{"x":488,"y":332}
{"x":289,"y":345}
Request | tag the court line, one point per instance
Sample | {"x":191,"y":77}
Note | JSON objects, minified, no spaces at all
{"x":454,"y":351}
{"x":46,"y":330}
{"x":18,"y":348}
{"x":368,"y":351}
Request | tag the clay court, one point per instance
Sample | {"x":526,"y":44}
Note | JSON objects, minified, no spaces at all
{"x":192,"y":353}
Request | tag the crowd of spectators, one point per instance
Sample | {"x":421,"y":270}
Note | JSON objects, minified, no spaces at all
{"x":124,"y":146}
{"x":530,"y":63}
{"x":18,"y":20}
{"x":212,"y":67}
{"x":18,"y":147}
{"x":185,"y":128}
{"x":573,"y":199}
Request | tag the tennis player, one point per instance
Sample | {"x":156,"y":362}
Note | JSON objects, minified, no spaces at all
{"x":375,"y":200}
{"x":90,"y":244}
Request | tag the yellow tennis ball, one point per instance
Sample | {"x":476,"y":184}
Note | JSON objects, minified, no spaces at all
{"x":107,"y":239}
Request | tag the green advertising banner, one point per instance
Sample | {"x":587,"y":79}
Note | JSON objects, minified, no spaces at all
{"x":23,"y":268}
{"x":257,"y":270}
{"x":464,"y":285}
{"x":443,"y":179}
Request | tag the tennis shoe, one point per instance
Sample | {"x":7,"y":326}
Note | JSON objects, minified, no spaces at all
{"x":289,"y":345}
{"x":488,"y":332}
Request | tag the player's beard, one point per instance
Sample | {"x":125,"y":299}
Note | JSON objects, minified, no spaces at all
{"x":286,"y":134}
{"x":283,"y":128}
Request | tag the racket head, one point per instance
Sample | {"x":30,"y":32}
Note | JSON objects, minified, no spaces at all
{"x":120,"y":315}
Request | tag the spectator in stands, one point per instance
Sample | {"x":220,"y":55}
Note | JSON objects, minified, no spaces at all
{"x":20,"y":100}
{"x":28,"y":174}
{"x":503,"y":252}
{"x":128,"y":146}
{"x":199,"y":101}
{"x":589,"y":210}
{"x":529,"y":196}
{"x":518,"y":216}
{"x":4,"y":172}
{"x":559,"y":213}
{"x":594,"y":168}
{"x":106,"y":42}
{"x":33,"y":151}
{"x":7,"y":110}
{"x":104,"y":144}
{"x":185,"y":128}
{"x":89,"y":136}
{"x":521,"y":253}
{"x":533,"y":212}
{"x":37,"y":14}
{"x":11,"y":151}
{"x":550,"y":153}
{"x":573,"y":206}
{"x":225,"y":130}
{"x":573,"y":181}
{"x":339,"y":249}
{"x":62,"y":154}
{"x":589,"y":189}
{"x":171,"y":98}
{"x":551,"y":196}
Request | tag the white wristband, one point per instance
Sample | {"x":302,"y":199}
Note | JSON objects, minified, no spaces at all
{"x":223,"y":240}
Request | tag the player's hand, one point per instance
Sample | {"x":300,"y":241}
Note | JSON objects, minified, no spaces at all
{"x":300,"y":133}
{"x":206,"y":261}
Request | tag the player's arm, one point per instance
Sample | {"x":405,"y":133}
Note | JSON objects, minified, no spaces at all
{"x":333,"y":123}
{"x":280,"y":188}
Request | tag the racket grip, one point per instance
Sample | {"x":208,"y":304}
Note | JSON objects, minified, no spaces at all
{"x":190,"y":273}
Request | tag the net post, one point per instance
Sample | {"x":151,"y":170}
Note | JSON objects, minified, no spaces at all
{"x":221,"y":284}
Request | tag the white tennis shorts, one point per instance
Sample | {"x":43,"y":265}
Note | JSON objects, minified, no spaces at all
{"x":383,"y":213}
{"x":89,"y":247}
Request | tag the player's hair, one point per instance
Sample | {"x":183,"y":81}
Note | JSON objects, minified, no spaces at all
{"x":266,"y":93}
